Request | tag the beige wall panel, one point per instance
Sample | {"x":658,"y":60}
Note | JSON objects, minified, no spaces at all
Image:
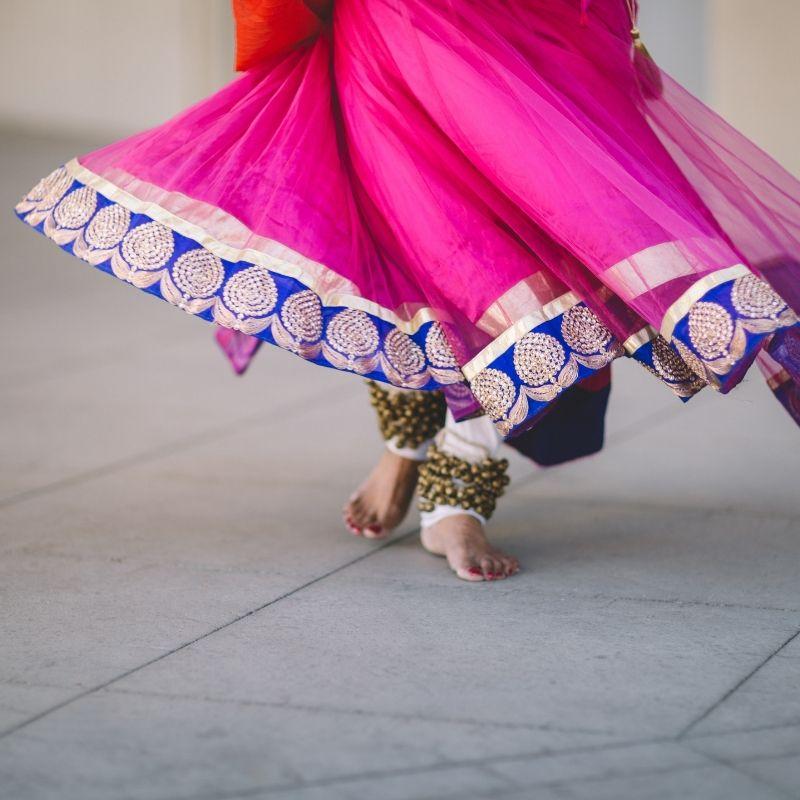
{"x":108,"y":67}
{"x":754,"y":71}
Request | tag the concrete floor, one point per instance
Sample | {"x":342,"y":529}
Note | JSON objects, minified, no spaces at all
{"x":184,"y":618}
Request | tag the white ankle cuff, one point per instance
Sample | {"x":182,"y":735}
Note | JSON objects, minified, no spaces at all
{"x":473,"y":439}
{"x":440,"y":512}
{"x":412,"y":453}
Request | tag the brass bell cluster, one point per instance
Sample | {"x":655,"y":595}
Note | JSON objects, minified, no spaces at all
{"x":452,"y":481}
{"x":408,"y":418}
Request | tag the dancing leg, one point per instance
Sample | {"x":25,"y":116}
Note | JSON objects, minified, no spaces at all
{"x":408,"y":421}
{"x":458,"y":486}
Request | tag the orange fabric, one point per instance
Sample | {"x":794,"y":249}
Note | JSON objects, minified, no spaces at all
{"x":267,"y":27}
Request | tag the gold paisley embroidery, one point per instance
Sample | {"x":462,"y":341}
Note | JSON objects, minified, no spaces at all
{"x":538,"y":357}
{"x":198,"y":273}
{"x":674,"y":370}
{"x":710,"y":329}
{"x":721,"y":341}
{"x":148,"y":247}
{"x":41,"y":199}
{"x":696,"y":364}
{"x":755,"y":298}
{"x":193,"y":281}
{"x":108,"y":227}
{"x":438,"y":349}
{"x":403,"y":354}
{"x":76,"y":209}
{"x":246,"y":301}
{"x":301,"y":315}
{"x":250,"y":292}
{"x":583,"y":331}
{"x":353,"y":333}
{"x":66,"y":221}
{"x":495,"y":391}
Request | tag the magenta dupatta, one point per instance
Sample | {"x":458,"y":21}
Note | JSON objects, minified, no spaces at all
{"x":473,"y":194}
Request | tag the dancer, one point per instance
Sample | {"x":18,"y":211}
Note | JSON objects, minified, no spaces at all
{"x":487,"y":199}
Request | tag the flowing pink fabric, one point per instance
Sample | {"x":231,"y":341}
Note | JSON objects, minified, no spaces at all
{"x":437,"y":154}
{"x":480,"y":160}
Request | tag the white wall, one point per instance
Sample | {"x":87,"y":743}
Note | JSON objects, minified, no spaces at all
{"x":109,"y":67}
{"x":755,"y":71}
{"x":676,"y":33}
{"x":104,"y":68}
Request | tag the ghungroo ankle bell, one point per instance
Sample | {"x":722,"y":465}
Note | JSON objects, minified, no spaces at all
{"x":408,"y":419}
{"x":452,"y":481}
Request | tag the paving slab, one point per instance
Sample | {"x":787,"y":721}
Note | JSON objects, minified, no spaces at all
{"x":768,"y":698}
{"x":714,"y":782}
{"x":151,"y":498}
{"x":103,"y":575}
{"x":122,"y":744}
{"x":602,"y":763}
{"x":633,"y":551}
{"x":771,"y":755}
{"x":610,"y":667}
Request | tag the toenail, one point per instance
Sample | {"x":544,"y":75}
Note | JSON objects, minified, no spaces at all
{"x":474,"y":571}
{"x":374,"y":528}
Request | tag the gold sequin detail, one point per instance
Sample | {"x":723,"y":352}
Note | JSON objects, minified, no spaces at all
{"x":107,"y":227}
{"x":148,"y":246}
{"x":538,"y":358}
{"x":438,"y":349}
{"x":668,"y":363}
{"x":198,"y":273}
{"x":403,"y":353}
{"x":495,"y":391}
{"x":353,"y":333}
{"x":51,"y":189}
{"x":76,"y":209}
{"x":583,"y":331}
{"x":755,"y":298}
{"x":251,"y":292}
{"x":693,"y":362}
{"x":710,"y":329}
{"x":301,"y":315}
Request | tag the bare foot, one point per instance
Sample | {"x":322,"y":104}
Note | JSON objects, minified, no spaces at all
{"x":462,"y":541}
{"x":382,"y":501}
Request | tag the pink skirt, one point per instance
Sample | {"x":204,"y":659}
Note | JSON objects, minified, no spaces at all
{"x":493,"y":196}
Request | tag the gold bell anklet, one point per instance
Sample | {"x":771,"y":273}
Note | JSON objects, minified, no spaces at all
{"x":447,"y":480}
{"x":408,"y":421}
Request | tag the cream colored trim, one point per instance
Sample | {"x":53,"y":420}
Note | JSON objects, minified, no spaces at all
{"x":513,"y":334}
{"x":681,"y":306}
{"x":282,"y":260}
{"x":639,"y":339}
{"x":278,"y":260}
{"x":532,"y":292}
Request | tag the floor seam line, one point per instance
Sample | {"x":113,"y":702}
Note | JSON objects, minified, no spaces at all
{"x":734,"y":767}
{"x":735,"y":688}
{"x":545,"y":728}
{"x":438,"y":766}
{"x":127,"y":673}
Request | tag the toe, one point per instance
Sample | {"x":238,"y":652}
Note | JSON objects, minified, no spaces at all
{"x":506,"y":566}
{"x":358,"y":513}
{"x":352,"y":527}
{"x":470,"y":573}
{"x":375,"y":531}
{"x":489,"y":568}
